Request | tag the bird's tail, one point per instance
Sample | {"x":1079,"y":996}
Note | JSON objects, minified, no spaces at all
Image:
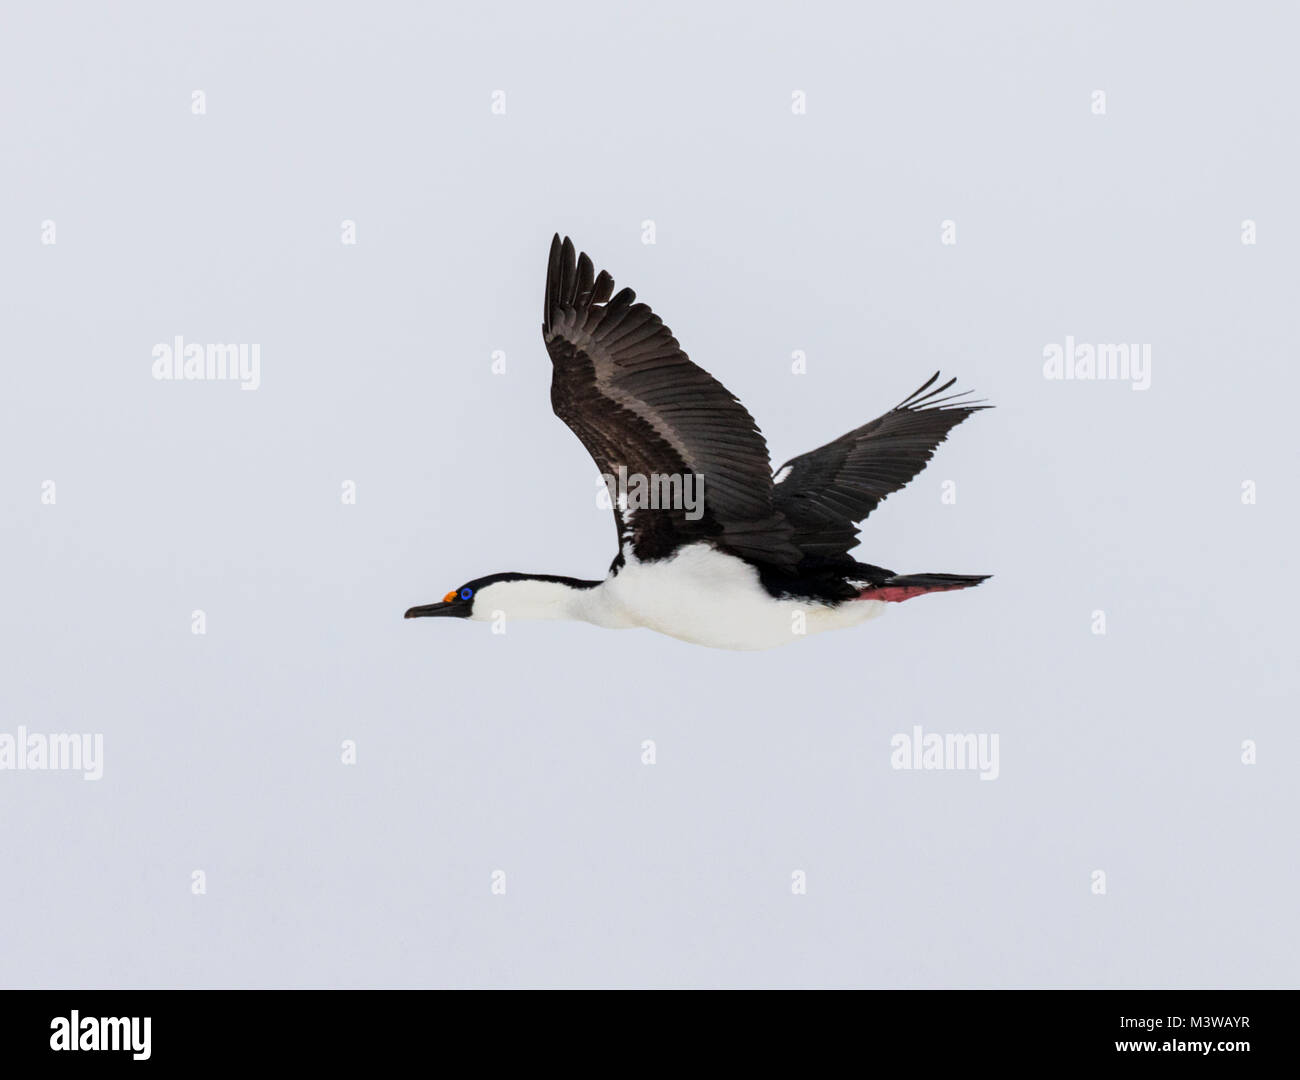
{"x":905,"y":586}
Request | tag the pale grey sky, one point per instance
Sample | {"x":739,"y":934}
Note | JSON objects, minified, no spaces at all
{"x":775,"y":233}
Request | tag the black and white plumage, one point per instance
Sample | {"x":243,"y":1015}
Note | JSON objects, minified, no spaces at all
{"x":765,"y":559}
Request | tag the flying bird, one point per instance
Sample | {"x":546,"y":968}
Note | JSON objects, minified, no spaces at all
{"x":730,"y":555}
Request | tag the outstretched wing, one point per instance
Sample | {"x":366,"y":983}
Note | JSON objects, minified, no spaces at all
{"x":634,"y":399}
{"x":824,"y":492}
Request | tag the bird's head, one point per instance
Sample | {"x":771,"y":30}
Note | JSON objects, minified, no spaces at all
{"x":463,"y":602}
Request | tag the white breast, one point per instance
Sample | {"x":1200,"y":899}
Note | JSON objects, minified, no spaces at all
{"x":709,"y":598}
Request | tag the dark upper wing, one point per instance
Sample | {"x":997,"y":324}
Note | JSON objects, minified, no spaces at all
{"x":634,"y":399}
{"x":826,"y":491}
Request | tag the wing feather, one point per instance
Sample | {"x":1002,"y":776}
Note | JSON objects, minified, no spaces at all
{"x":828,"y":490}
{"x":633,"y":397}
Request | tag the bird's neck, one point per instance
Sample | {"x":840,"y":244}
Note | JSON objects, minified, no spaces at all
{"x":540,"y":596}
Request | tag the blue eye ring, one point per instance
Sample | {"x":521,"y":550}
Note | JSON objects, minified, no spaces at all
{"x":466,"y":593}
